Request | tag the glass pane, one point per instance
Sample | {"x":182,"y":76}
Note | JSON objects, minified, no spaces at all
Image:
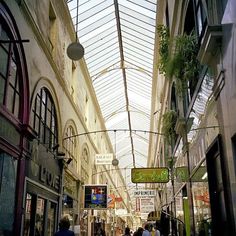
{"x":2,"y":89}
{"x":4,"y":36}
{"x":10,"y":99}
{"x":39,"y":221}
{"x":12,"y":74}
{"x":37,"y":105}
{"x":3,"y":61}
{"x":51,"y":218}
{"x":43,"y":112}
{"x":48,"y":119}
{"x":17,"y":105}
{"x":8,"y":166}
{"x":28,"y":209}
{"x":199,"y":20}
{"x":36,"y":125}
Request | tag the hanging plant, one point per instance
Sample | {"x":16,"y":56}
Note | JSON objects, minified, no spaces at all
{"x":184,"y":65}
{"x":164,"y":42}
{"x":169,"y":120}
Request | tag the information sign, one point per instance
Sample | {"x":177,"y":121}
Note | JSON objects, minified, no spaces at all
{"x":103,"y":159}
{"x":144,"y":193}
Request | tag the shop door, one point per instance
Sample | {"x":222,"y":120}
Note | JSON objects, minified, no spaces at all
{"x":40,"y":216}
{"x":216,"y":190}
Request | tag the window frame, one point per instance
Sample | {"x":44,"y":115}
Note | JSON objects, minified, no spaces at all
{"x":44,"y":120}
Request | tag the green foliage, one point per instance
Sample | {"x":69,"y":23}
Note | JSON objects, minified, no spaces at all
{"x":182,"y":63}
{"x":169,"y":120}
{"x":164,"y":43}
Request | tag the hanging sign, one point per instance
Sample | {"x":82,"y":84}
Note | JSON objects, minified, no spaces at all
{"x":150,"y":175}
{"x":182,"y":175}
{"x":144,"y":193}
{"x":95,"y":197}
{"x":103,"y":159}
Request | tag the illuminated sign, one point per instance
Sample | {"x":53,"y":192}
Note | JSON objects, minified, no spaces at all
{"x":95,"y":197}
{"x":150,"y":175}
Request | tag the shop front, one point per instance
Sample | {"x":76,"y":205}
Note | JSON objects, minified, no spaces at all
{"x":14,"y":116}
{"x":201,"y":202}
{"x":42,"y":192}
{"x":70,"y":204}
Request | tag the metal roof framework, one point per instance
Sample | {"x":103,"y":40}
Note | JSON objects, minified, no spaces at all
{"x":119,"y":40}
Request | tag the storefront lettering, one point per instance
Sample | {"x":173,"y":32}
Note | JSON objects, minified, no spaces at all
{"x":49,"y":178}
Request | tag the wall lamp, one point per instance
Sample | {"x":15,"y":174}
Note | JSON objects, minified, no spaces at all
{"x":61,"y":155}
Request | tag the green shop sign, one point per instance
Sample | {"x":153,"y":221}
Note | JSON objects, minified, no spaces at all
{"x":150,"y":175}
{"x":200,"y":175}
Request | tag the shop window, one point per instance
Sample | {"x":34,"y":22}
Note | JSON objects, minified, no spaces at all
{"x":44,"y":118}
{"x":8,"y":167}
{"x":40,"y":216}
{"x":39,"y":220}
{"x":70,"y":147}
{"x":10,"y":97}
{"x":51,"y":222}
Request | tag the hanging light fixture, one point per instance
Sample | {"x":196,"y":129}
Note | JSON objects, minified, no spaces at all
{"x":75,"y":50}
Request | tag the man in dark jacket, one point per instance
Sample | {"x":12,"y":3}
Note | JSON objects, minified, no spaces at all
{"x":64,"y":226}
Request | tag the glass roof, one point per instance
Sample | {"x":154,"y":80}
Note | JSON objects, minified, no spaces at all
{"x":118,"y":37}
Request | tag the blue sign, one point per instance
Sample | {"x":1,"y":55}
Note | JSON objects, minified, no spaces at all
{"x":95,"y":196}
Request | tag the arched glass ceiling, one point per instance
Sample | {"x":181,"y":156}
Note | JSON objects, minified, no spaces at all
{"x":119,"y":37}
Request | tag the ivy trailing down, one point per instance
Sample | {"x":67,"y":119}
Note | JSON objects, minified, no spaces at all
{"x":164,"y":42}
{"x":168,"y":128}
{"x":182,"y":63}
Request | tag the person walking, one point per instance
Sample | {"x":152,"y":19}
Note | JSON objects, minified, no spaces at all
{"x":154,"y":231}
{"x":139,"y":232}
{"x":64,"y":226}
{"x":127,"y":231}
{"x":146,"y":230}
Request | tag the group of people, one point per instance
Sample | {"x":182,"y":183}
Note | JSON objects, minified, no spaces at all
{"x":149,"y":230}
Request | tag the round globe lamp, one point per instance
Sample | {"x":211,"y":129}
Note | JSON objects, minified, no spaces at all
{"x":75,"y":51}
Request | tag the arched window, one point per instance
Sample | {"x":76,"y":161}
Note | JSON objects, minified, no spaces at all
{"x":13,"y":79}
{"x":70,"y":146}
{"x":45,"y":119}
